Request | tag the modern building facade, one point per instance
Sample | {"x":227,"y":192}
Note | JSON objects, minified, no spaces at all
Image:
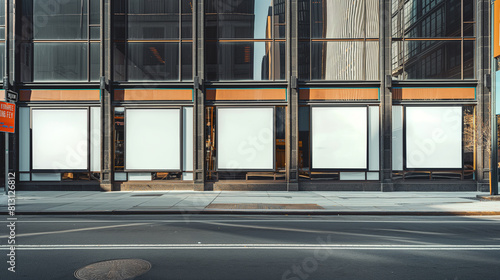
{"x":387,"y":95}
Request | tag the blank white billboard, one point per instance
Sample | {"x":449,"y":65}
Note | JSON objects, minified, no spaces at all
{"x":245,"y":138}
{"x":60,"y":139}
{"x":152,"y":139}
{"x":434,"y":137}
{"x":339,"y":137}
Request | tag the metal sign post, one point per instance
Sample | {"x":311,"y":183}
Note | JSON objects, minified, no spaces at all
{"x":495,"y":51}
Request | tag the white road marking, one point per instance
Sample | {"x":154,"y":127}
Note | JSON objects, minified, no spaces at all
{"x":256,"y":247}
{"x":74,"y":230}
{"x":188,"y":220}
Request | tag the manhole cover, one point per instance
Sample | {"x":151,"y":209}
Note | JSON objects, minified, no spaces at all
{"x":113,"y":270}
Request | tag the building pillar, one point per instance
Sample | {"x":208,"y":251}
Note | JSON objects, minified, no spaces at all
{"x":292,"y":120}
{"x":483,"y":96}
{"x":106,"y":99}
{"x":199,"y":96}
{"x":386,"y":96}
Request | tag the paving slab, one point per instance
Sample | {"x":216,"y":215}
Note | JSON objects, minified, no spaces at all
{"x":321,"y":202}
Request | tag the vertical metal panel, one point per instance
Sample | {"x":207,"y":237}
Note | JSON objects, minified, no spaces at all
{"x":397,"y":138}
{"x":374,"y":142}
{"x":24,"y":139}
{"x":95,"y":139}
{"x":187,"y":147}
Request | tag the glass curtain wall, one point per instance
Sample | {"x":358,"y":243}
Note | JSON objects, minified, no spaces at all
{"x":433,"y":39}
{"x":60,"y":40}
{"x":245,"y":40}
{"x":152,"y":40}
{"x":338,"y":40}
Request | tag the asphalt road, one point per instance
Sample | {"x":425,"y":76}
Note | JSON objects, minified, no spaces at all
{"x":257,"y":247}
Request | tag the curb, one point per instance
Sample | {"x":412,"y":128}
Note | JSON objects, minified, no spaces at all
{"x":280,"y":213}
{"x":489,"y":197}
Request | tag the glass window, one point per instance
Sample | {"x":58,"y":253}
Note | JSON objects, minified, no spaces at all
{"x":433,"y":58}
{"x":245,"y":60}
{"x":350,"y":56}
{"x":232,"y":28}
{"x":152,"y":22}
{"x":73,"y":51}
{"x":60,"y":62}
{"x":59,"y":20}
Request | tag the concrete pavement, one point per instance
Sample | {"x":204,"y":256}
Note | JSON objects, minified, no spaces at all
{"x":224,"y":202}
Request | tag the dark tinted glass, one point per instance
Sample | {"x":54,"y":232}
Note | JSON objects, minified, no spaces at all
{"x":2,"y":12}
{"x":59,"y":19}
{"x":468,"y":10}
{"x":430,"y":19}
{"x":147,"y":61}
{"x":279,"y":18}
{"x":239,"y":61}
{"x":280,"y":61}
{"x":304,"y":19}
{"x":432,"y":60}
{"x":60,"y":62}
{"x":469,"y":29}
{"x":469,"y":67}
{"x":304,"y":60}
{"x":95,"y":63}
{"x":187,"y":19}
{"x":152,"y":19}
{"x":187,"y":61}
{"x":239,"y":19}
{"x":95,"y":11}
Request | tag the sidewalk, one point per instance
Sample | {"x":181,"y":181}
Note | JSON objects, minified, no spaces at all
{"x":300,"y":203}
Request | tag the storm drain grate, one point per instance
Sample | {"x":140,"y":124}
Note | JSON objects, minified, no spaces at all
{"x":152,"y":194}
{"x":262,"y":206}
{"x":113,"y":270}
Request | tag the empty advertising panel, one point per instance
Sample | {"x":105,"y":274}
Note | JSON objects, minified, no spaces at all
{"x":245,"y":138}
{"x":339,"y":137}
{"x":433,"y":137}
{"x":60,"y":139}
{"x":153,"y":139}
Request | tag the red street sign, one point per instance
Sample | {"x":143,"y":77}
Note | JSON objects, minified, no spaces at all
{"x":7,"y":117}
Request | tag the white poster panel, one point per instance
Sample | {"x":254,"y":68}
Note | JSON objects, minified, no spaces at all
{"x":339,"y":137}
{"x":245,"y":138}
{"x":152,"y":139}
{"x":60,"y":139}
{"x":434,"y":137}
{"x":397,"y":138}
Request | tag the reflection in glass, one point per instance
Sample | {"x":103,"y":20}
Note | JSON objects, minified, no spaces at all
{"x":64,"y":20}
{"x":147,"y":61}
{"x":338,"y":19}
{"x":244,"y":60}
{"x":249,"y":19}
{"x":154,"y":19}
{"x":337,"y":60}
{"x":469,"y":68}
{"x":95,"y":62}
{"x":2,"y":12}
{"x":434,"y":60}
{"x":60,"y":62}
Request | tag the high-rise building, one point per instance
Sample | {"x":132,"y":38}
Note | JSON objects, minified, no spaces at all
{"x":248,"y":94}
